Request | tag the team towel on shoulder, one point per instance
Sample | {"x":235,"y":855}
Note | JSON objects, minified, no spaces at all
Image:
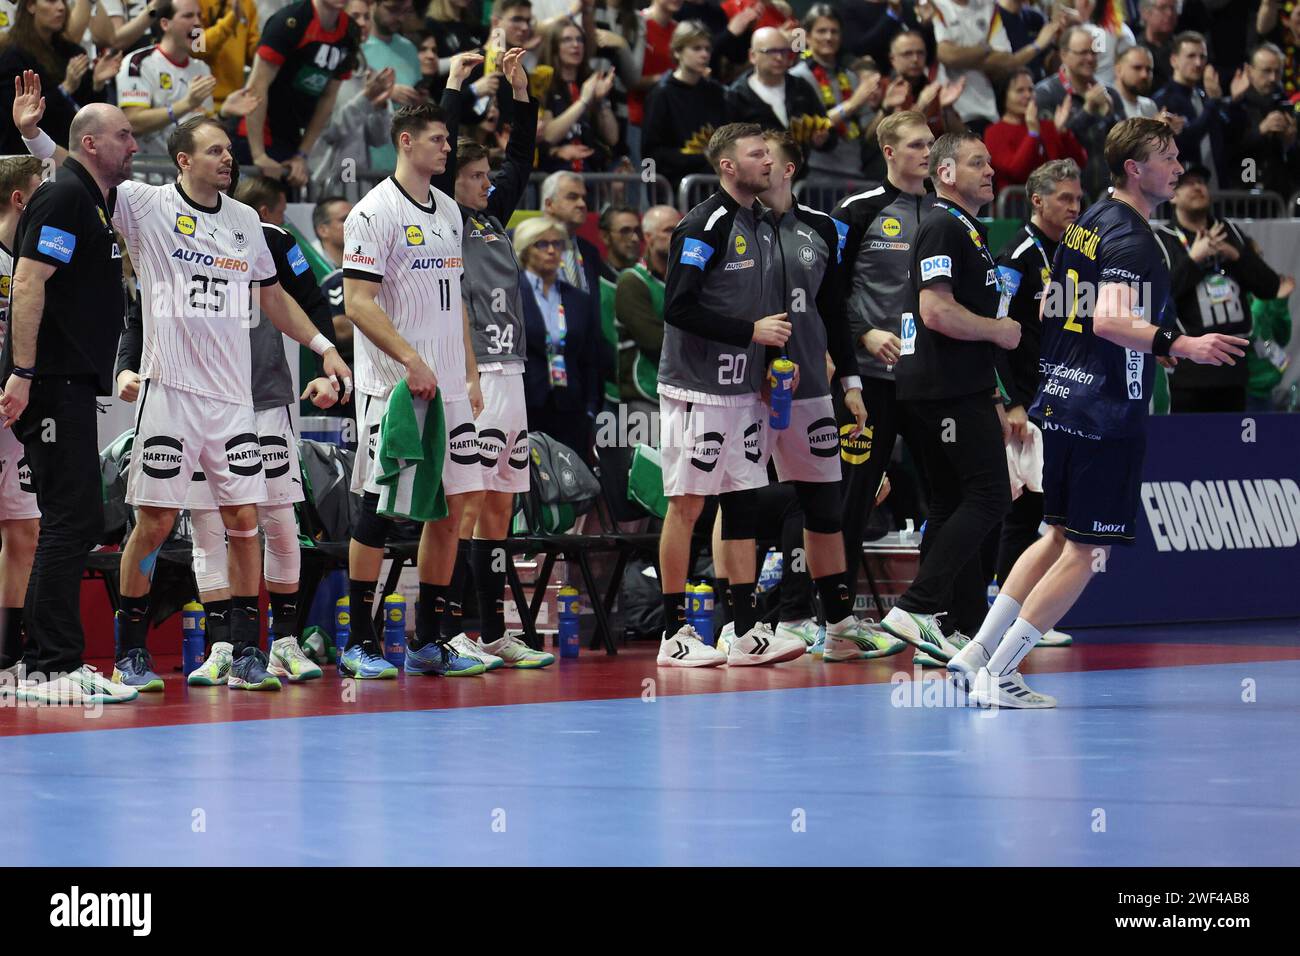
{"x":412,"y":446}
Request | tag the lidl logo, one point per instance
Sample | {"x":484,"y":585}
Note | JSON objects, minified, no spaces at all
{"x":891,"y":226}
{"x":4,"y":287}
{"x":414,"y":236}
{"x":165,"y":80}
{"x":741,"y":245}
{"x":186,"y":225}
{"x":395,"y":615}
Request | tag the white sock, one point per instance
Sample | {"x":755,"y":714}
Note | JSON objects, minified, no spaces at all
{"x":1019,"y":641}
{"x":1004,"y":611}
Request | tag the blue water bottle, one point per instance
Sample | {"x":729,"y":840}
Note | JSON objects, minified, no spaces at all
{"x":193,"y":625}
{"x":270,"y":629}
{"x":699,"y":610}
{"x":342,"y":624}
{"x":781,"y":382}
{"x":570,"y":640}
{"x":395,"y":629}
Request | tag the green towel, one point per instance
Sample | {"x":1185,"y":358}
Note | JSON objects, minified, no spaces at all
{"x":412,"y":445}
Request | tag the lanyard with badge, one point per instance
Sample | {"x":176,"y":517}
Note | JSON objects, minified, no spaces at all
{"x":1218,"y":287}
{"x":1004,"y":293}
{"x":555,"y":350}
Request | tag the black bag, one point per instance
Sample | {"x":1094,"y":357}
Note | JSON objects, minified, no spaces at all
{"x":114,"y":462}
{"x":330,"y":509}
{"x":561,"y":486}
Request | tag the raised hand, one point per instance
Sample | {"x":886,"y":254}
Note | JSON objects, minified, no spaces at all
{"x":29,"y":105}
{"x":240,"y":103}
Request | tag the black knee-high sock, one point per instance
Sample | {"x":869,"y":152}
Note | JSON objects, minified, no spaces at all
{"x":245,"y":629}
{"x":11,"y":642}
{"x":723,"y":600}
{"x":453,"y":619}
{"x":428,"y":615}
{"x":134,"y":621}
{"x":487,"y":561}
{"x":217,"y":629}
{"x":284,"y":613}
{"x":361,"y":604}
{"x":674,"y":612}
{"x":742,"y":596}
{"x":837,"y":599}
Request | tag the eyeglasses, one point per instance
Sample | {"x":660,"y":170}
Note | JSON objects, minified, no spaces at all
{"x":1088,"y":52}
{"x":776,"y":51}
{"x":628,"y":231}
{"x":549,"y":245}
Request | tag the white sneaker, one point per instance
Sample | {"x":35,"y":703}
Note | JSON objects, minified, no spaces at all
{"x":513,"y":652}
{"x":922,"y":659}
{"x":762,"y":646}
{"x":726,"y":636}
{"x":967,"y":662}
{"x":83,"y":686}
{"x":923,"y":632}
{"x":856,"y":640}
{"x":11,"y":678}
{"x":287,"y":659}
{"x":1009,"y":691}
{"x":215,"y":669}
{"x":685,"y":649}
{"x":467,"y":647}
{"x":807,"y":631}
{"x":1054,"y":638}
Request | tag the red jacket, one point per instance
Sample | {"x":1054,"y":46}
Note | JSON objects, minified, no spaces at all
{"x":1015,"y":154}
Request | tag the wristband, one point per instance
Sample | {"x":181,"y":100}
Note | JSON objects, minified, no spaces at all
{"x":1164,"y":341}
{"x":42,"y":147}
{"x":171,"y":113}
{"x":320,"y":345}
{"x":27,"y":373}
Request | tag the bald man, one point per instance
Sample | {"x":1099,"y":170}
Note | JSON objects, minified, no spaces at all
{"x":67,"y":309}
{"x":768,"y":95}
{"x":639,"y":317}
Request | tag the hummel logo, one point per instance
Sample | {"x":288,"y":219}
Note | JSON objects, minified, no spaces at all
{"x":680,"y":653}
{"x":760,"y":645}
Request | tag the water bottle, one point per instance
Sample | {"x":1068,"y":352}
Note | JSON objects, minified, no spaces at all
{"x":395,"y":629}
{"x":570,"y":640}
{"x":193,"y":625}
{"x":781,"y":381}
{"x":270,"y":629}
{"x":993,"y":590}
{"x":342,"y":624}
{"x":699,"y":610}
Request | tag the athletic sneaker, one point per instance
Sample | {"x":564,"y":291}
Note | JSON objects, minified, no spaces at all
{"x":922,"y":659}
{"x":819,"y":648}
{"x":11,"y":678}
{"x":685,"y":649}
{"x":1054,"y":638}
{"x":512,"y":649}
{"x":806,"y":630}
{"x":465,"y":646}
{"x":762,"y":646}
{"x":318,"y":645}
{"x":85,"y":685}
{"x":363,"y":663}
{"x":288,"y":660}
{"x":1009,"y":691}
{"x":135,"y":669}
{"x":857,"y":640}
{"x":922,"y":631}
{"x":441,"y":659}
{"x":726,"y":636}
{"x":967,"y":662}
{"x":249,"y":672}
{"x":215,"y":669}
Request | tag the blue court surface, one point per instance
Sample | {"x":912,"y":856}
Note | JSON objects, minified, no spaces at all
{"x":1140,"y":765}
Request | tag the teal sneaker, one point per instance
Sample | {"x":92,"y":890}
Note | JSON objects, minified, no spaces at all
{"x":215,"y":669}
{"x":249,"y":672}
{"x":363,"y":663}
{"x":135,"y":669}
{"x":806,"y":630}
{"x":853,"y":639}
{"x":923,"y":632}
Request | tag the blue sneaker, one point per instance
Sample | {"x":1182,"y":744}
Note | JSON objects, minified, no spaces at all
{"x":441,"y":659}
{"x":363,"y":663}
{"x":249,"y":672}
{"x":135,"y":669}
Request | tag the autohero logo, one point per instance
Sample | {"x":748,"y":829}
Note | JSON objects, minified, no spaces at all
{"x":464,"y":444}
{"x":1250,"y":513}
{"x":275,"y":456}
{"x":161,"y":456}
{"x":823,"y":438}
{"x":229,"y":263}
{"x":76,"y":909}
{"x":244,"y":455}
{"x":707,"y":448}
{"x":738,"y":265}
{"x":452,"y":262}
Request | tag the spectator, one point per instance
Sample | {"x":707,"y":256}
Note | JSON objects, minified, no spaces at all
{"x":327,"y":220}
{"x":870,"y":27}
{"x":579,"y":130}
{"x":620,"y":40}
{"x":844,"y":95}
{"x":433,"y":78}
{"x":730,"y":34}
{"x":653,"y":54}
{"x":1094,"y":108}
{"x":455,"y":28}
{"x":307,"y":50}
{"x":1266,"y":359}
{"x":1110,"y":34}
{"x":1284,"y":31}
{"x":1204,"y":110}
{"x":513,"y":21}
{"x":1211,"y":267}
{"x":913,"y":86}
{"x":564,"y":198}
{"x":639,"y":314}
{"x":562,"y":372}
{"x":768,"y":95}
{"x":872,"y":159}
{"x":492,"y":134}
{"x":1159,"y":21}
{"x":230,"y":39}
{"x":1021,"y":142}
{"x":158,"y":86}
{"x":386,"y":48}
{"x":1024,"y":24}
{"x":125,"y":26}
{"x":620,"y":230}
{"x":37,"y":42}
{"x":685,"y":108}
{"x":1266,"y":125}
{"x":1133,"y":83}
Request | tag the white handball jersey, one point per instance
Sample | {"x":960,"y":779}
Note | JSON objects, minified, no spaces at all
{"x":150,"y":78}
{"x":196,"y":267}
{"x":6,"y":282}
{"x":8,"y":13}
{"x":414,"y":252}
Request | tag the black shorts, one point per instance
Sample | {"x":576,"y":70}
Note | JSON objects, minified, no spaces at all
{"x":1092,"y":488}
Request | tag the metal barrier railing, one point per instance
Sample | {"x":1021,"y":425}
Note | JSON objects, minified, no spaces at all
{"x":694,"y":189}
{"x":824,"y":193}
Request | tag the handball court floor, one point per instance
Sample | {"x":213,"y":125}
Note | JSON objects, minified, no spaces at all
{"x":1171,"y":746}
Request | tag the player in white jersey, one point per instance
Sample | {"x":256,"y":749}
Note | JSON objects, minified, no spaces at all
{"x":20,"y":519}
{"x":402,"y":288}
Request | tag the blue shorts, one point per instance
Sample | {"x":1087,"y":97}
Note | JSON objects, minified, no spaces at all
{"x":1092,"y":487}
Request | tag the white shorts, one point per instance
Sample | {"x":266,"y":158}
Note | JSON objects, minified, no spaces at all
{"x":17,"y":494}
{"x":711,"y":449}
{"x":178,"y":433}
{"x":461,"y":471}
{"x":503,"y":432}
{"x":279,"y":464}
{"x":808,"y":450}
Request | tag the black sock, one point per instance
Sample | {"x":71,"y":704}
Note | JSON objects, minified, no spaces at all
{"x":245,"y":630}
{"x":722,"y":599}
{"x":453,"y":619}
{"x":133,"y":621}
{"x":428,"y":614}
{"x":742,"y":596}
{"x":284,"y":614}
{"x":11,"y":642}
{"x":487,"y":560}
{"x":674,"y":612}
{"x":837,"y":599}
{"x":217,"y":629}
{"x":361,"y":604}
